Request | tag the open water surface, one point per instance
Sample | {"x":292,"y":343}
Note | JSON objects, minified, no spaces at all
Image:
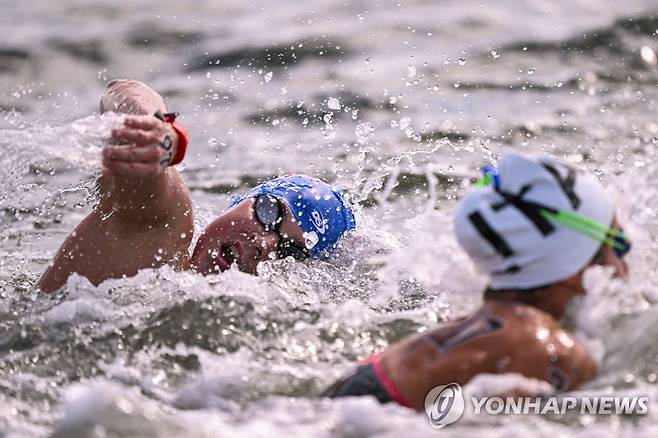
{"x":400,"y":103}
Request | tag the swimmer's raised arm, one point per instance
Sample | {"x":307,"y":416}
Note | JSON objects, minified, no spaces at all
{"x":137,"y":185}
{"x":144,"y":217}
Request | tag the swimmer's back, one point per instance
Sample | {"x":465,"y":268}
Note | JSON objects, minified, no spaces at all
{"x":499,"y":338}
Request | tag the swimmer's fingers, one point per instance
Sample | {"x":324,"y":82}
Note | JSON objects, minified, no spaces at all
{"x":132,"y":154}
{"x":131,"y":170}
{"x":145,"y":131}
{"x":149,"y":160}
{"x":135,"y":136}
{"x":147,"y":123}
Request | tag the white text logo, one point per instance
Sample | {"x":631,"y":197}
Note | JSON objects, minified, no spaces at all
{"x":445,"y":404}
{"x":318,"y":221}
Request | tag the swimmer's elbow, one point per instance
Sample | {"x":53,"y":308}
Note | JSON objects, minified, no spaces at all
{"x":51,"y":280}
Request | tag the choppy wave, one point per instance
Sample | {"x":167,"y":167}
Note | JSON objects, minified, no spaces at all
{"x":398,"y":104}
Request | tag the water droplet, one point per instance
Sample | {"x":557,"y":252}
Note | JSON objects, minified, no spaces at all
{"x":363,"y":132}
{"x":648,"y":55}
{"x":333,"y":103}
{"x":124,"y":405}
{"x":268,"y":76}
{"x":495,"y":54}
{"x":461,"y":61}
{"x":411,"y":71}
{"x":531,"y":71}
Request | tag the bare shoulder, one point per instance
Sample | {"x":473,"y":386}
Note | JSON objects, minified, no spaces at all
{"x":539,"y":345}
{"x":527,"y":328}
{"x":498,"y":339}
{"x":117,"y":240}
{"x":521,"y":313}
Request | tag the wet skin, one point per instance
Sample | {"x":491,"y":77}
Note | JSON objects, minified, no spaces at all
{"x":528,"y":342}
{"x":119,"y":238}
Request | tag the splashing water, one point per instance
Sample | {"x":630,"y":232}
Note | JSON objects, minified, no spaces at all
{"x":175,"y":354}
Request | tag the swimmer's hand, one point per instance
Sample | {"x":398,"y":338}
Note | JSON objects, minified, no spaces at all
{"x":142,"y":148}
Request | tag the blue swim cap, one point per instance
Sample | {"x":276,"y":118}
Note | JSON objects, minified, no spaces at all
{"x":320,"y":209}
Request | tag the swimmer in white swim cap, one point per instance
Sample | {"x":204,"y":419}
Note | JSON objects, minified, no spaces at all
{"x":533,"y":227}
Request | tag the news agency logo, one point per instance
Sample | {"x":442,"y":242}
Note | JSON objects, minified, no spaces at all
{"x":444,"y":405}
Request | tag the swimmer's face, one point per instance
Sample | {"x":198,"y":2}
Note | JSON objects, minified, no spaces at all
{"x":606,"y":257}
{"x":237,"y":237}
{"x":559,"y":300}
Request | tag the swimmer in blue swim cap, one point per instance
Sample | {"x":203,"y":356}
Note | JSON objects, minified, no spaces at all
{"x":289,"y":216}
{"x":144,"y":215}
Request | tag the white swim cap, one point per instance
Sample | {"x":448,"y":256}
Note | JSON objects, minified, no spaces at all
{"x":500,"y":228}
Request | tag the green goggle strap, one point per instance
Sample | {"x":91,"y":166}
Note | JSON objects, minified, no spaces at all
{"x":587,"y":226}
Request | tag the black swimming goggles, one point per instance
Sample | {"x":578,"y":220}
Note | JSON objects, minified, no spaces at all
{"x":269,"y":212}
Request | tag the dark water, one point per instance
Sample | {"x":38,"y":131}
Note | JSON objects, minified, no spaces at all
{"x":399,"y":103}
